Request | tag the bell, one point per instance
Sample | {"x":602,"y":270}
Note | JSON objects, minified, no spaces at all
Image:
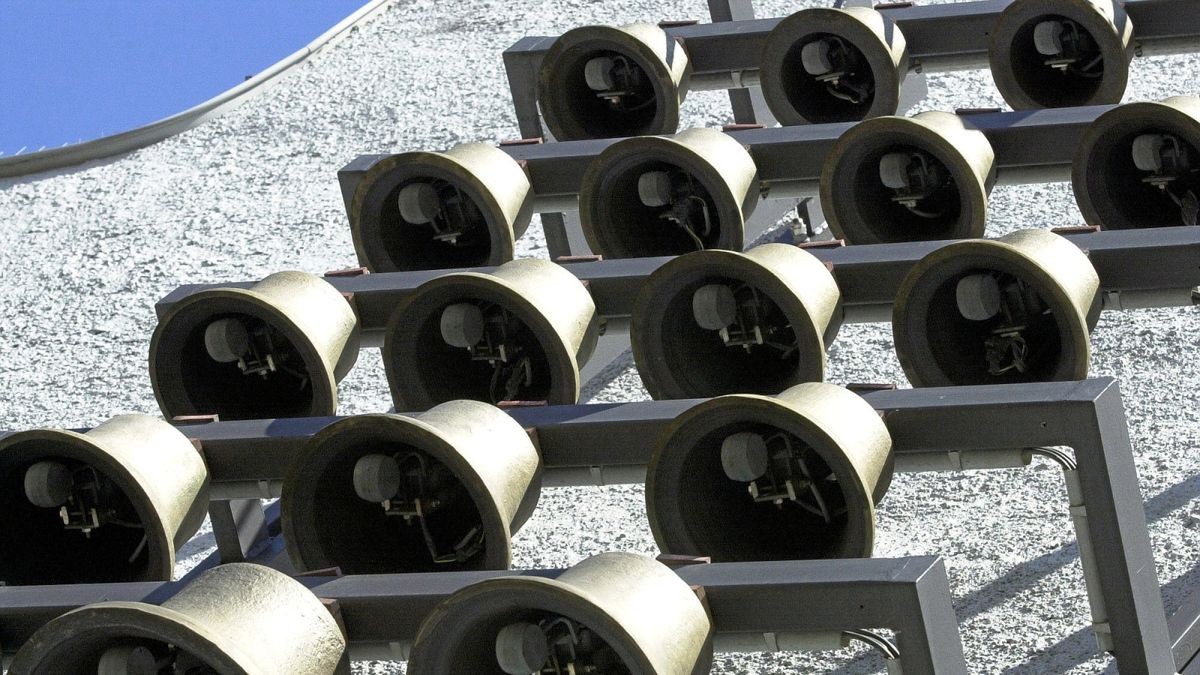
{"x":611,"y":613}
{"x":276,"y":349}
{"x":519,"y":333}
{"x":1139,"y":166}
{"x":793,"y":476}
{"x":720,"y":322}
{"x":109,"y":505}
{"x":657,"y":196}
{"x":1010,"y":310}
{"x":606,"y":82}
{"x":235,"y":619}
{"x":1061,"y":53}
{"x":896,"y":179}
{"x":823,"y":65}
{"x":440,"y":491}
{"x":431,"y":210}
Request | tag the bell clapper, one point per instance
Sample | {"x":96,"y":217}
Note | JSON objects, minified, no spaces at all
{"x":441,"y":206}
{"x":81,"y":495}
{"x":1068,"y":48}
{"x":409,"y":486}
{"x":252,"y":347}
{"x":488,"y":332}
{"x":986,"y":296}
{"x":676,"y":193}
{"x":838,"y":65}
{"x":777,"y":470}
{"x":742,"y":316}
{"x":553,"y":646}
{"x":914,"y":176}
{"x":1168,"y":160}
{"x":618,"y":81}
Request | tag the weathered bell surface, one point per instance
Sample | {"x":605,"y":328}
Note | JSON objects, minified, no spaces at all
{"x":719,"y":322}
{"x":276,"y":349}
{"x":793,"y":476}
{"x":437,"y":210}
{"x":668,"y":195}
{"x":823,"y":65}
{"x":109,"y":505}
{"x":1061,"y":53}
{"x":612,"y":82}
{"x":1139,"y":166}
{"x":611,"y":613}
{"x":1010,"y":310}
{"x":235,"y":619}
{"x":894,"y":179}
{"x":519,"y":333}
{"x":443,"y":490}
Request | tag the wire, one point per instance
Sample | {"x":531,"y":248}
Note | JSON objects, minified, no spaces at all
{"x":875,"y":640}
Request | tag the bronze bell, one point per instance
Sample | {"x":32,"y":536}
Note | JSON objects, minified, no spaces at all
{"x":612,"y":82}
{"x":276,"y":349}
{"x":611,"y":613}
{"x":823,"y":65}
{"x":1002,"y":311}
{"x":792,"y":476}
{"x":654,"y":195}
{"x":109,"y":505}
{"x":439,"y":491}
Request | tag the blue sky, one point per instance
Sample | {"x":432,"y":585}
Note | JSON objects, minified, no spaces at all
{"x":74,"y":70}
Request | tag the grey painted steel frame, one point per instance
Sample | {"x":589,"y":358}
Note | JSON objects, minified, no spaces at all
{"x":584,"y":444}
{"x":1137,"y":268}
{"x":940,"y":38}
{"x":908,"y":595}
{"x":1030,"y":147}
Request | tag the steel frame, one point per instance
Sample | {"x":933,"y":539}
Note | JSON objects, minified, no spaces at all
{"x":381,"y":613}
{"x":1137,"y":268}
{"x":725,"y":54}
{"x":1030,"y":147}
{"x":961,"y":428}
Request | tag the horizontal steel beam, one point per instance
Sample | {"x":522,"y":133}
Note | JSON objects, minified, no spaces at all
{"x":1137,"y":268}
{"x":1030,"y":146}
{"x":959,"y":428}
{"x":953,"y":36}
{"x":383,"y":612}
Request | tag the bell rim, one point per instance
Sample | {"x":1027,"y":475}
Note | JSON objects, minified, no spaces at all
{"x":704,"y":418}
{"x":957,"y":252}
{"x":665,"y":149}
{"x":795,"y":27}
{"x":401,"y":429}
{"x":700,"y":264}
{"x":385,"y":175}
{"x":324,"y":388}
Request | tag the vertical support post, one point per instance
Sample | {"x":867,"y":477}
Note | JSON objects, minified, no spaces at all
{"x":239,"y":526}
{"x":1120,"y":542}
{"x":927,"y":634}
{"x":749,"y":106}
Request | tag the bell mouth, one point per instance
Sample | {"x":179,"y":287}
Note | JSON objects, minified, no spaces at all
{"x":277,"y":374}
{"x":640,"y":97}
{"x":439,"y":517}
{"x":104,"y":531}
{"x":518,"y":356}
{"x":1029,"y":333}
{"x":452,"y":220}
{"x":806,"y":503}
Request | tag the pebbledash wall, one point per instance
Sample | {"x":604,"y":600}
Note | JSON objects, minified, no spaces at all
{"x":85,"y":252}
